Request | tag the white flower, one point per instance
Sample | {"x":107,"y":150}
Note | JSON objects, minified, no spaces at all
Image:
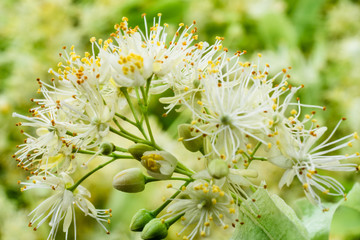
{"x":159,"y":164}
{"x":60,"y":206}
{"x":138,"y":55}
{"x":229,"y":110}
{"x":299,"y":155}
{"x":202,"y":203}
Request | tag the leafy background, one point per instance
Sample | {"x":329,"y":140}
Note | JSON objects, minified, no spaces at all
{"x":319,"y":39}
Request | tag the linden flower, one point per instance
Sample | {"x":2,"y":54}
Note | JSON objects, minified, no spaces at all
{"x":138,"y":55}
{"x":229,"y":110}
{"x":159,"y":164}
{"x":185,"y":79}
{"x":298,"y":154}
{"x":47,"y":143}
{"x":60,"y":206}
{"x":202,"y":203}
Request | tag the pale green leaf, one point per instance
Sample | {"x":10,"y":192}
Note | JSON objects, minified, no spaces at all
{"x":268,"y":217}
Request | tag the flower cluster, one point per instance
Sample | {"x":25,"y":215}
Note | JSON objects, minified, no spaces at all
{"x":237,"y":108}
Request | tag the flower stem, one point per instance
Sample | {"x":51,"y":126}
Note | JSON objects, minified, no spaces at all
{"x":73,"y":187}
{"x":167,"y":202}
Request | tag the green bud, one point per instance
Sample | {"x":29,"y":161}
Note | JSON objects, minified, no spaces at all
{"x":140,"y":219}
{"x":137,"y":150}
{"x":218,"y":168}
{"x":107,"y":148}
{"x":131,"y":180}
{"x":156,"y":229}
{"x":185,"y":133}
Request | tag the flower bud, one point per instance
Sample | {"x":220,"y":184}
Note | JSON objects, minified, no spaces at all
{"x":140,"y":219}
{"x":107,"y":148}
{"x":156,"y":229}
{"x":137,"y":150}
{"x":218,"y":168}
{"x":159,"y":164}
{"x":131,"y":180}
{"x":185,"y":133}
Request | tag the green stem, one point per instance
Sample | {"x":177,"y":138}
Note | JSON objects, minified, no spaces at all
{"x":73,"y":187}
{"x":145,"y":113}
{"x":181,"y":171}
{"x":255,"y":149}
{"x":151,"y":179}
{"x":183,"y":167}
{"x":126,"y":94}
{"x":125,"y":119}
{"x":171,"y":221}
{"x":124,"y":135}
{"x":120,"y":149}
{"x":167,"y":202}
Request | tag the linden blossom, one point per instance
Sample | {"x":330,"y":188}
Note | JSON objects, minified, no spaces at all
{"x":297,"y":153}
{"x":60,"y":206}
{"x":136,"y":56}
{"x":205,"y":203}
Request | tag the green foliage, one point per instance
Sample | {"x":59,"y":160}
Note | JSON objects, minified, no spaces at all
{"x":268,"y":217}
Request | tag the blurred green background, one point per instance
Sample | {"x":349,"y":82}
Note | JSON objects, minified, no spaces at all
{"x":319,"y":39}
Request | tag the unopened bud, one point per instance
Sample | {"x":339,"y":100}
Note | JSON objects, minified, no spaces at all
{"x":131,"y":180}
{"x":140,"y":219}
{"x":107,"y":148}
{"x":137,"y":150}
{"x":159,"y":164}
{"x":154,"y":230}
{"x":185,"y":133}
{"x":218,"y":168}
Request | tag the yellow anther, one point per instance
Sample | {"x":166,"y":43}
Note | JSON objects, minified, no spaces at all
{"x":180,"y":139}
{"x":169,"y":185}
{"x":92,"y":39}
{"x":259,"y":55}
{"x":232,"y":210}
{"x":269,"y":145}
{"x":356,"y":136}
{"x":326,"y":191}
{"x":200,"y":103}
{"x":350,"y":144}
{"x":307,"y":116}
{"x":305,"y":186}
{"x":213,"y":201}
{"x":293,"y":112}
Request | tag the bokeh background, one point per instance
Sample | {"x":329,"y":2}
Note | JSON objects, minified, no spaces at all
{"x":319,"y":39}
